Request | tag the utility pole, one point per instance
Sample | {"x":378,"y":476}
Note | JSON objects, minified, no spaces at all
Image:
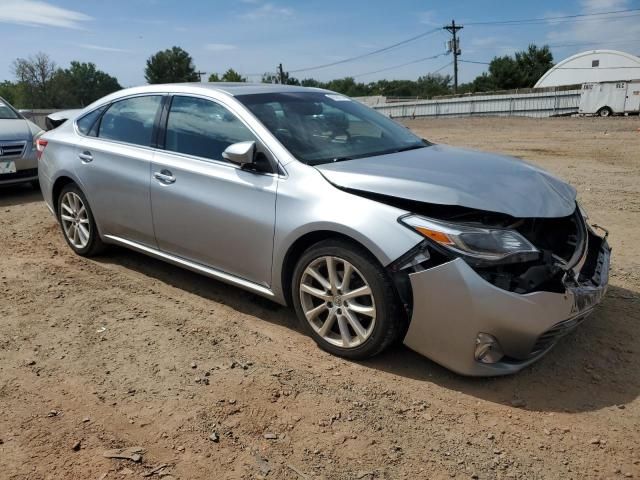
{"x":200,"y":74}
{"x":280,"y":74}
{"x":454,"y":46}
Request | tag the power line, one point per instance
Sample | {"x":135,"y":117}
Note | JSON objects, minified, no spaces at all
{"x":402,"y":65}
{"x":546,"y":19}
{"x":473,"y":61}
{"x":374,"y":52}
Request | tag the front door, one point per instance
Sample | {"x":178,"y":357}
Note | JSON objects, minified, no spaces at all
{"x":206,"y":209}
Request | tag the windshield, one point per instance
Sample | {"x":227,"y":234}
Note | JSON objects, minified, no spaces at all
{"x":322,"y":127}
{"x":7,"y":112}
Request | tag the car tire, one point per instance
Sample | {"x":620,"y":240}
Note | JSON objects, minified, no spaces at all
{"x":77,"y":222}
{"x":379,"y":319}
{"x":605,"y":112}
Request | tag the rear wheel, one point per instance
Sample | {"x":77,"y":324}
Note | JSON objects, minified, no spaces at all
{"x":77,"y":222}
{"x":345,"y":300}
{"x":605,"y":112}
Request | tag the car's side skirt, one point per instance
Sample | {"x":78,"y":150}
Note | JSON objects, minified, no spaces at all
{"x":195,"y":267}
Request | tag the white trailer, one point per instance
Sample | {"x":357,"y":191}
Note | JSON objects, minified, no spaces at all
{"x":609,"y":98}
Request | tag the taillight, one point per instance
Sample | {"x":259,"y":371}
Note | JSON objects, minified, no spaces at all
{"x":41,"y":143}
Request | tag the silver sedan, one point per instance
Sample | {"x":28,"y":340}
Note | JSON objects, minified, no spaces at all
{"x":480,"y":262}
{"x":18,"y":154}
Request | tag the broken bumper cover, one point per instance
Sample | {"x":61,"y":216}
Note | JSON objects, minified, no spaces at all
{"x":453,"y":304}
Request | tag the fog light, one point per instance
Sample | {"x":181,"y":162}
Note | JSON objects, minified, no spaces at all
{"x":488,"y":349}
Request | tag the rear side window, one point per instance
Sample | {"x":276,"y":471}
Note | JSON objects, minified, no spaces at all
{"x":131,"y":120}
{"x":87,"y":124}
{"x":202,"y":128}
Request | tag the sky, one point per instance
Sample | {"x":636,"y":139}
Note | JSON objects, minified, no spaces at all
{"x":254,"y":36}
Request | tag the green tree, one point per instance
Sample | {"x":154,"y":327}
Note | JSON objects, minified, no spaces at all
{"x":347,"y":86}
{"x":34,"y":74}
{"x":505,"y":73}
{"x":171,"y":66}
{"x":433,"y":85}
{"x":310,"y":82}
{"x":533,"y":63}
{"x":214,"y":77}
{"x":522,"y":70}
{"x":232,"y":76}
{"x":11,"y":92}
{"x":81,"y":84}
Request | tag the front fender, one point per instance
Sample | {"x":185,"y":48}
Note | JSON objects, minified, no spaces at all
{"x":311,"y":204}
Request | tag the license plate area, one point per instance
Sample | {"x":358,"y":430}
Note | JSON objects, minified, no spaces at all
{"x":7,"y":166}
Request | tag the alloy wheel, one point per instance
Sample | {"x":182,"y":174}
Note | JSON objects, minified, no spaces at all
{"x":75,"y":220}
{"x":337,"y":301}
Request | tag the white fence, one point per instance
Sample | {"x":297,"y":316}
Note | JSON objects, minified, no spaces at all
{"x":533,"y":104}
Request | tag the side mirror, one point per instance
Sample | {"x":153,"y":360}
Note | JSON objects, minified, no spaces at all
{"x":241,"y":153}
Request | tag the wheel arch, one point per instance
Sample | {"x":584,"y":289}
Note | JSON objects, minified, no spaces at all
{"x":302,"y":243}
{"x":58,"y":185}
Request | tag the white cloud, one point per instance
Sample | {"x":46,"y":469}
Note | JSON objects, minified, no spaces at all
{"x":91,"y":46}
{"x":267,"y":10}
{"x":617,"y":31}
{"x":219,"y":47}
{"x":37,"y":13}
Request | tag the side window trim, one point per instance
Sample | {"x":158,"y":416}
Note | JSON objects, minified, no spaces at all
{"x":161,"y":133}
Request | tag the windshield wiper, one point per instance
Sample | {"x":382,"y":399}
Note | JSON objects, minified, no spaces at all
{"x":411,"y":147}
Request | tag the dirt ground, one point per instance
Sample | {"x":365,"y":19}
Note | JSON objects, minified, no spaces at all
{"x":125,"y":351}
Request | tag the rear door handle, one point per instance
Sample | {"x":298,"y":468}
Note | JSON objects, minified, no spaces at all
{"x":85,"y":156}
{"x":164,"y":176}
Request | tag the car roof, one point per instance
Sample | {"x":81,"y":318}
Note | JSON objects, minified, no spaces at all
{"x":226,"y":88}
{"x":229,"y":88}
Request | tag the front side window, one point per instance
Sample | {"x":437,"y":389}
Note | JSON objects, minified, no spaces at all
{"x":318,"y":127}
{"x":131,"y":120}
{"x":202,"y":128}
{"x":7,"y":112}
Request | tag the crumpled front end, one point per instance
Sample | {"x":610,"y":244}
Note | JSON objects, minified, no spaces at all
{"x":471,"y":326}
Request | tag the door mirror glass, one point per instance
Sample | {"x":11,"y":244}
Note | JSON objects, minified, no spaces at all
{"x":241,"y":153}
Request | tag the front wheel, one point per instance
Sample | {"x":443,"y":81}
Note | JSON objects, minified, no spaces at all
{"x":345,"y":300}
{"x":78,"y":225}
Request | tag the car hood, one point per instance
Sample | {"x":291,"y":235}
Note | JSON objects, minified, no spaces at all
{"x":15,"y":129}
{"x":445,"y":175}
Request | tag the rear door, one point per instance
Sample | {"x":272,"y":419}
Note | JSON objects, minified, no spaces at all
{"x":206,"y":209}
{"x":632,"y":104}
{"x":114,"y":165}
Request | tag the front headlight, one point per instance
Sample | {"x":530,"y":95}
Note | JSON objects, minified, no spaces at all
{"x":477,"y":245}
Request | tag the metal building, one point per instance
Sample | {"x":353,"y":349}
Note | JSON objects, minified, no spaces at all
{"x":592,"y":67}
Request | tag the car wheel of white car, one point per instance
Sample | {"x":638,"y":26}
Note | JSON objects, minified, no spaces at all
{"x":78,"y":226}
{"x":605,"y":112}
{"x":345,"y":300}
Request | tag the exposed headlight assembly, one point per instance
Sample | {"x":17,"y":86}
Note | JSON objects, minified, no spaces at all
{"x":477,"y":245}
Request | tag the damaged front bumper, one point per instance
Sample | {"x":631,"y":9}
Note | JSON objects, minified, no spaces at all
{"x":454,"y":308}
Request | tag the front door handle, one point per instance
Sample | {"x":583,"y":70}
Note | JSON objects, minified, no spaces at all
{"x":85,"y":156}
{"x":164,"y":176}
